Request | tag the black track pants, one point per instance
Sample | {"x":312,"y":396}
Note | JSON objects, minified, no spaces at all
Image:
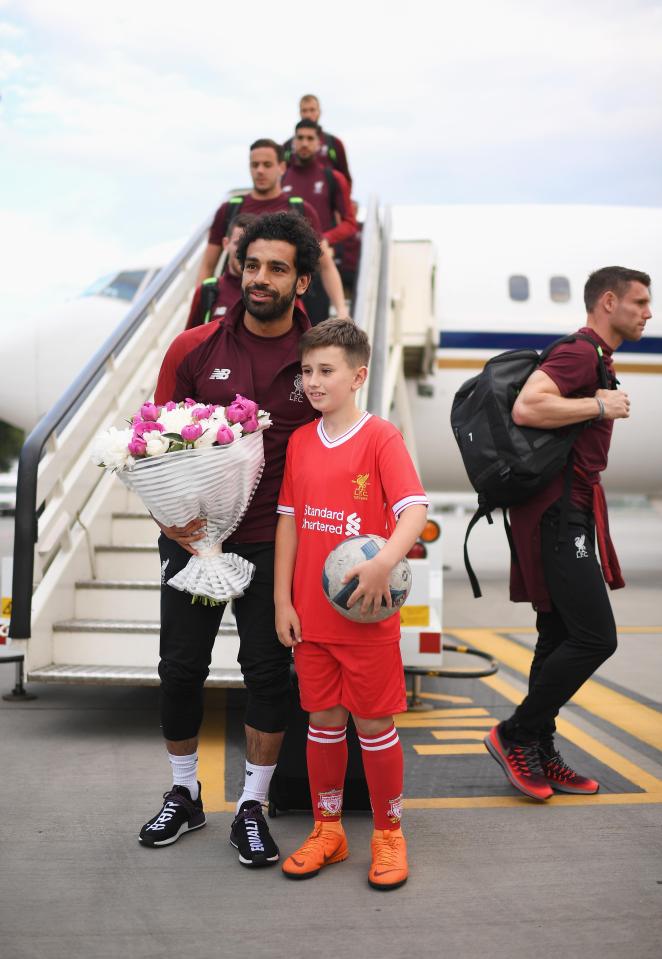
{"x":188,"y":632}
{"x":576,"y":637}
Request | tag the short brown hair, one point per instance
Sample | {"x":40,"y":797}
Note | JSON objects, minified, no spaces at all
{"x":307,"y":97}
{"x":343,"y":333}
{"x":611,"y":278}
{"x":242,"y":221}
{"x":266,"y":144}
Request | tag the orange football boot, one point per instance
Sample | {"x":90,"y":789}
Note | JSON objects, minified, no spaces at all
{"x":389,"y":859}
{"x":326,"y":844}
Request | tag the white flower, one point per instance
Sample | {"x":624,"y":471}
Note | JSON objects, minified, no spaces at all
{"x":217,"y":418}
{"x":156,"y":443}
{"x":208,"y":438}
{"x":110,"y":448}
{"x":174,"y":420}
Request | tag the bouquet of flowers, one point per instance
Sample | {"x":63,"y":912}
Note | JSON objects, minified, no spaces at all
{"x":214,"y":461}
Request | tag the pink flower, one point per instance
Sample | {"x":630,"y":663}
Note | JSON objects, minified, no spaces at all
{"x":250,"y":425}
{"x":139,"y":429}
{"x":136,"y":419}
{"x":224,"y":435}
{"x":137,"y":446}
{"x":191,"y":433}
{"x":149,"y":411}
{"x":202,"y":412}
{"x":241,"y":410}
{"x":170,"y":406}
{"x":189,"y":402}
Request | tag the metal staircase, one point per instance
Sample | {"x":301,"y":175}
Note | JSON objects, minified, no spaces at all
{"x":85,"y":596}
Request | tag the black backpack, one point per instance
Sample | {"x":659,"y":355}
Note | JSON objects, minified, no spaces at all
{"x":506,"y":463}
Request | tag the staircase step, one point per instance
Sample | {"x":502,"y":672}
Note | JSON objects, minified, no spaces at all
{"x":118,"y":599}
{"x":128,"y":561}
{"x":133,"y":527}
{"x":120,"y":675}
{"x":116,"y":642}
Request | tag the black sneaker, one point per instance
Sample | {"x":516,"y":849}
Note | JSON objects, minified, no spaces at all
{"x":250,"y":835}
{"x":179,"y":814}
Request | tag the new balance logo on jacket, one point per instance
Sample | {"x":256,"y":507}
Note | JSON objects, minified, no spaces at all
{"x":220,"y":374}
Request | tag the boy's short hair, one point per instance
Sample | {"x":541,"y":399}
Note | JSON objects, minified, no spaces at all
{"x":343,"y":333}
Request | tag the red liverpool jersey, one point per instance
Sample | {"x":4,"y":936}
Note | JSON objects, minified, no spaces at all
{"x":358,"y":483}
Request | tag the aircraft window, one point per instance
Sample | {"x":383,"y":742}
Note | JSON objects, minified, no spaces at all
{"x":117,"y":286}
{"x":518,"y":287}
{"x":559,"y":289}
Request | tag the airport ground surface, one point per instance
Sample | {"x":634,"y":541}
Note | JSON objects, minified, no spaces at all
{"x":492,"y":874}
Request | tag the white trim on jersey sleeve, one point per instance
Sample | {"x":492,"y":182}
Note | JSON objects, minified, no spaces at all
{"x":402,"y":504}
{"x":285,"y":510}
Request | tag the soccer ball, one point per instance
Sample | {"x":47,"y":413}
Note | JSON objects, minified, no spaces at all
{"x":350,"y":553}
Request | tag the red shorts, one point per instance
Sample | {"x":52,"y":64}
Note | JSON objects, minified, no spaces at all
{"x":369,"y":681}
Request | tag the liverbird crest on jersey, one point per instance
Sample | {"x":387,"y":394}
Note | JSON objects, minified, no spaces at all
{"x":580,"y":542}
{"x":361,"y":483}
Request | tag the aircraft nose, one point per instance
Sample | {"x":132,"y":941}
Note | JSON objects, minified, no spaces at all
{"x":18,"y":389}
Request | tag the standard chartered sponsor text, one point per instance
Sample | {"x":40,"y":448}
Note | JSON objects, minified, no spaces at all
{"x":324,"y":514}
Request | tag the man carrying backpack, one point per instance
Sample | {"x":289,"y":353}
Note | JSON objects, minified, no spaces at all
{"x":555,"y":566}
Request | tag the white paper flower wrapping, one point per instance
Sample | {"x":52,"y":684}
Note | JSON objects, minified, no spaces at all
{"x":216,"y":483}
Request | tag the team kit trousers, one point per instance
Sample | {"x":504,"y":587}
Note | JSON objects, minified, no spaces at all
{"x":575,"y":637}
{"x":188,"y":632}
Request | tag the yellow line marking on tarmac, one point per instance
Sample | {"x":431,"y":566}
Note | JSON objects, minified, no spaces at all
{"x":471,"y":749}
{"x":419,"y":721}
{"x":634,"y":718}
{"x":441,"y":714}
{"x":458,"y":734}
{"x":446,"y":698}
{"x":211,"y":753}
{"x":452,"y":630}
{"x":521,"y":802}
{"x":629,"y":770}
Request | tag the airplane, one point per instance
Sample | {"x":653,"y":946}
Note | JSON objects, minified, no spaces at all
{"x":505,"y":276}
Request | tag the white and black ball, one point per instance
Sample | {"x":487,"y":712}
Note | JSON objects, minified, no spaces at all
{"x":344,"y":557}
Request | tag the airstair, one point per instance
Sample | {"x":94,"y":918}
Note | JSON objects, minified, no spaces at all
{"x":86,"y":575}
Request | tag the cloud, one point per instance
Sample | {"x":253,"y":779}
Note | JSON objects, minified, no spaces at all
{"x":125,"y":125}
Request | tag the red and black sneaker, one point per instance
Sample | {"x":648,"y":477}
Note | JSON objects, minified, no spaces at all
{"x":521,"y":764}
{"x":562,"y":777}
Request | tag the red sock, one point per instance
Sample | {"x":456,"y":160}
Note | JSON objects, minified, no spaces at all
{"x":383,"y":763}
{"x":326,"y":753}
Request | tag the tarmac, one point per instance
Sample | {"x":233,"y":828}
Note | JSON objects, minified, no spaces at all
{"x":492,"y":874}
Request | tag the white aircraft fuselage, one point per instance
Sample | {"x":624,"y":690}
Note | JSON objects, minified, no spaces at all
{"x":478,"y":250}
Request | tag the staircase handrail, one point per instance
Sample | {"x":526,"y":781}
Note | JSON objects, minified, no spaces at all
{"x":26,"y":515}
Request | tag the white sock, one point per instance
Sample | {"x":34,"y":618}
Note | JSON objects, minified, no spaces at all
{"x":256,"y":783}
{"x":185,"y":772}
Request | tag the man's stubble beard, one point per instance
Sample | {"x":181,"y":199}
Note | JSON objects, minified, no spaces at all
{"x":272,"y":310}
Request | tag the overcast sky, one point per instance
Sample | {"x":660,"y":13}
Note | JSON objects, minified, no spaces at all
{"x":122,"y":125}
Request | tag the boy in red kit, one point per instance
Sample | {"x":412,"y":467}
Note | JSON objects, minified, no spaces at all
{"x":353,"y":467}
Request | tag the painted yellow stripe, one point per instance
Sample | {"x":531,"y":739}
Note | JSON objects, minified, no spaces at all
{"x":530,"y":630}
{"x":442,"y":714}
{"x":456,"y":750}
{"x":485,"y":723}
{"x":211,"y":753}
{"x":634,"y":718}
{"x":629,"y":770}
{"x":446,"y":698}
{"x":458,"y":734}
{"x":521,"y":802}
